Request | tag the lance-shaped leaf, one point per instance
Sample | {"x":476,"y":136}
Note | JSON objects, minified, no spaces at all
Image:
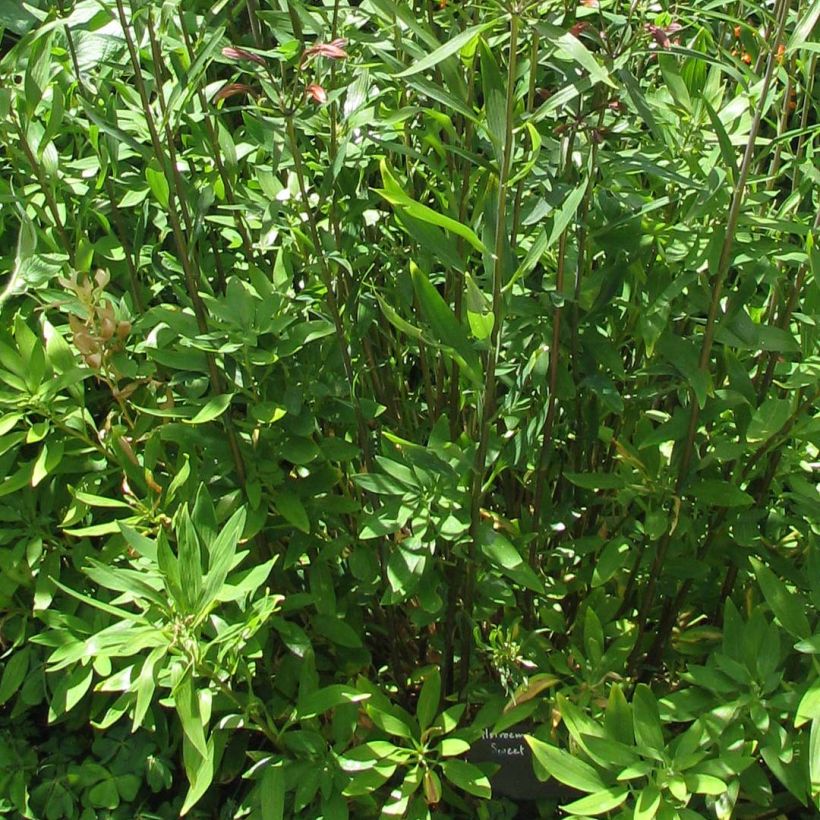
{"x":447,"y":50}
{"x":447,"y":330}
{"x":398,"y":198}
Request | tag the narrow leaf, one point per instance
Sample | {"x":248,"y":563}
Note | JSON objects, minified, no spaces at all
{"x":443,"y":52}
{"x":566,"y":768}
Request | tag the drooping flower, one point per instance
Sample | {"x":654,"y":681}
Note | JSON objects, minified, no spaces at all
{"x":232,"y":89}
{"x":333,"y":50}
{"x":661,"y":35}
{"x":316,"y":93}
{"x":233,"y":53}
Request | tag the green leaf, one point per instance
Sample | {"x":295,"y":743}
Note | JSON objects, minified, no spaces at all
{"x":646,"y":720}
{"x":727,"y":151}
{"x":811,"y":646}
{"x":119,"y":614}
{"x":428,"y":702}
{"x":787,"y":605}
{"x":448,"y":49}
{"x":618,"y":717}
{"x":323,"y":700}
{"x":596,"y":481}
{"x":15,"y":17}
{"x":566,"y":768}
{"x":26,"y":247}
{"x":704,"y":784}
{"x":187,"y":706}
{"x":814,"y":757}
{"x":467,"y":777}
{"x":394,"y":194}
{"x":101,"y":501}
{"x":14,"y":672}
{"x":446,"y":328}
{"x":599,"y":802}
{"x":189,"y":559}
{"x":145,"y":684}
{"x":221,"y":556}
{"x":337,"y":631}
{"x":272,"y":793}
{"x":768,"y":419}
{"x":47,"y":461}
{"x":104,"y":795}
{"x":69,"y":691}
{"x":158,"y":184}
{"x":566,"y":212}
{"x":212,"y":410}
{"x":648,"y":802}
{"x":453,"y":746}
{"x":290,"y":507}
{"x":718,"y":493}
{"x":495,"y":99}
{"x":802,"y":33}
{"x":614,"y":556}
{"x":570,"y":46}
{"x":200,"y":771}
{"x":390,"y":723}
{"x":503,"y":554}
{"x":118,"y":579}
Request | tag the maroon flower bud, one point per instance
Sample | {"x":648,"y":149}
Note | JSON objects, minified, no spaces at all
{"x":317,"y":93}
{"x":241,"y":54}
{"x":333,"y":51}
{"x":661,"y":35}
{"x":231,"y":90}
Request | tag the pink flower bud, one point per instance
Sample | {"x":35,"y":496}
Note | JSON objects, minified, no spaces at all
{"x":233,"y":53}
{"x":317,"y":93}
{"x":231,"y":90}
{"x":333,"y":51}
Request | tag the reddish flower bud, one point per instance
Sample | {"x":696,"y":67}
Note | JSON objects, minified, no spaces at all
{"x":240,"y":54}
{"x":661,"y":35}
{"x":317,"y":93}
{"x":576,"y":30}
{"x":231,"y":90}
{"x":333,"y":51}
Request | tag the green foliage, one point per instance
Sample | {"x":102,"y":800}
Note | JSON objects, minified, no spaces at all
{"x":378,"y":375}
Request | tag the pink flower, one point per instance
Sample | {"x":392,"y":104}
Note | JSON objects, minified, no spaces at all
{"x":240,"y":54}
{"x":317,"y":93}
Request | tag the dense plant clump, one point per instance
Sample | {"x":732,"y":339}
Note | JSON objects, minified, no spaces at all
{"x":380,"y":376}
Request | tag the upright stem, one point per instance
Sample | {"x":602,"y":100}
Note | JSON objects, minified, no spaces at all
{"x":549,"y":421}
{"x":489,"y":397}
{"x":718,"y":279}
{"x":327,"y":280}
{"x":191,"y":273}
{"x":217,"y":154}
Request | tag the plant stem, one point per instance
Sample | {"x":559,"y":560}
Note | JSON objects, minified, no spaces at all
{"x":718,"y":279}
{"x":330,"y":295}
{"x":489,"y":397}
{"x":191,"y":273}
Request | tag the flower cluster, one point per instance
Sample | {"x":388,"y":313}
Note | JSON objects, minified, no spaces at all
{"x":100,"y":333}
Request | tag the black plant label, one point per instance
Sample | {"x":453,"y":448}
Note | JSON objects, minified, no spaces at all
{"x":515,"y":777}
